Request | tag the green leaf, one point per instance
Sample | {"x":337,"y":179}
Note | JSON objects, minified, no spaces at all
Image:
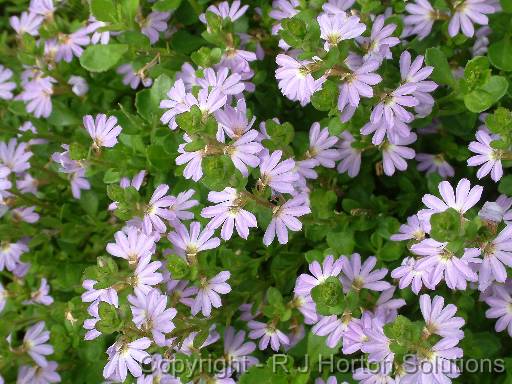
{"x":166,"y":5}
{"x":329,"y":297}
{"x":500,"y":55}
{"x":342,"y":242}
{"x":178,"y":267}
{"x":446,"y":226}
{"x":485,"y":96}
{"x":442,"y":73}
{"x":505,"y":185}
{"x":326,"y":98}
{"x":280,"y":134}
{"x":104,"y":10}
{"x":100,"y":58}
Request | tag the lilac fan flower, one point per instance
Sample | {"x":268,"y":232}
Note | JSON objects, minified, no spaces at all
{"x":103,"y":131}
{"x":486,"y":156}
{"x":42,"y":7}
{"x":355,"y":276}
{"x":434,"y":163}
{"x":443,"y":264}
{"x":79,"y":183}
{"x":124,"y":356}
{"x":295,"y":80}
{"x":307,"y":307}
{"x":395,"y":153}
{"x":229,"y":213}
{"x":332,"y":327}
{"x":267,"y":333}
{"x":440,"y":319}
{"x":243,"y":151}
{"x":392,"y":107}
{"x":354,"y":336}
{"x":408,"y":274}
{"x":28,"y":22}
{"x":91,"y":295}
{"x":98,"y":36}
{"x":421,"y":18}
{"x":414,"y":229}
{"x":377,"y":343}
{"x":15,"y":156}
{"x":153,"y":24}
{"x":131,"y":245}
{"x":10,"y":254}
{"x":181,"y":206}
{"x":321,"y":145}
{"x":358,"y":84}
{"x":193,"y":170}
{"x":208,"y":293}
{"x":500,"y":303}
{"x":336,"y":7}
{"x":468,"y":12}
{"x":284,"y":218}
{"x":72,"y":45}
{"x":6,"y":86}
{"x":5,"y":184}
{"x":496,"y":255}
{"x":208,"y":101}
{"x":191,"y":243}
{"x":37,"y":96}
{"x":226,"y":11}
{"x":329,"y":267}
{"x":145,"y":275}
{"x":37,"y":375}
{"x":386,"y":307}
{"x":79,"y":85}
{"x":234,"y":121}
{"x":151,"y":315}
{"x":228,"y":84}
{"x":380,"y":41}
{"x":132,"y":77}
{"x":156,"y":210}
{"x":278,"y":175}
{"x":462,"y":199}
{"x":41,"y":296}
{"x":237,"y":351}
{"x":350,"y":156}
{"x":375,"y":375}
{"x":35,"y":344}
{"x":336,"y":28}
{"x":176,"y":104}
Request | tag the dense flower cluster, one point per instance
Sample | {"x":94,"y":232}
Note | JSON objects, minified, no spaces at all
{"x":183,"y":181}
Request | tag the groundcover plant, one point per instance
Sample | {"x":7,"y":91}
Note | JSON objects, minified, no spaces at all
{"x":251,"y":192}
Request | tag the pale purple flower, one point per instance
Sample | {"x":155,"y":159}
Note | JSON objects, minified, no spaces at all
{"x":193,"y":170}
{"x":103,"y":131}
{"x":150,"y":314}
{"x":354,"y":336}
{"x":225,"y":10}
{"x":277,"y":174}
{"x":375,"y":375}
{"x":434,"y":163}
{"x":336,"y":7}
{"x":238,"y":351}
{"x":228,"y":84}
{"x":295,"y":80}
{"x":378,"y":44}
{"x":41,"y":296}
{"x":157,"y":208}
{"x":190,"y":243}
{"x":500,"y":303}
{"x":35,"y":343}
{"x":38,"y":375}
{"x":180,"y":291}
{"x":421,"y":18}
{"x":357,"y":276}
{"x":10,"y":254}
{"x":131,"y":244}
{"x":243,"y":151}
{"x":233,"y":121}
{"x":132,"y":77}
{"x":414,"y":229}
{"x":159,"y":372}
{"x":486,"y":156}
{"x":321,"y":272}
{"x":37,"y":95}
{"x":90,"y":323}
{"x":4,"y":294}
{"x":188,"y":76}
{"x":42,"y":7}
{"x":229,"y":213}
{"x":79,"y":85}
{"x":124,"y":356}
{"x":283,"y":9}
{"x":392,"y":108}
{"x":237,"y":60}
{"x":208,"y":101}
{"x":415,"y":73}
{"x":386,"y":307}
{"x":481,"y":45}
{"x":462,"y":199}
{"x":468,"y":12}
{"x":358,"y":84}
{"x":208,"y":293}
{"x":438,"y":367}
{"x":181,"y":205}
{"x":394,"y":154}
{"x":332,"y":327}
{"x":350,"y":156}
{"x":15,"y":156}
{"x":267,"y":333}
{"x":27,"y":22}
{"x":336,"y":28}
{"x":284,"y":218}
{"x":321,"y":145}
{"x":153,"y":24}
{"x":102,"y":37}
{"x":187,"y":346}
{"x":176,"y":104}
{"x":498,"y":210}
{"x":71,"y":45}
{"x":79,"y":183}
{"x":4,"y":181}
{"x":497,"y":255}
{"x":145,"y":275}
{"x":442,"y":264}
{"x":91,"y":294}
{"x":307,"y":307}
{"x":6,"y":86}
{"x":439,"y":319}
{"x":409,"y":275}
{"x":377,"y":343}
